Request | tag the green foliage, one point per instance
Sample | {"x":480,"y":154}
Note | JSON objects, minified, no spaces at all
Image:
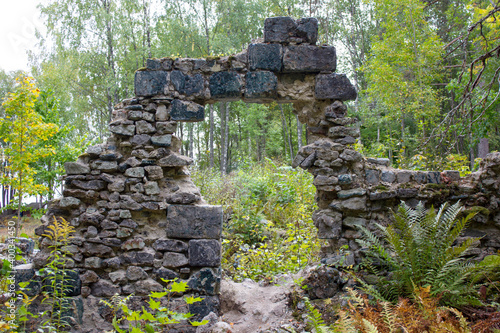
{"x":362,"y":316}
{"x":160,"y":314}
{"x":269,"y":228}
{"x":55,"y":272}
{"x":421,"y":251}
{"x":22,"y":129}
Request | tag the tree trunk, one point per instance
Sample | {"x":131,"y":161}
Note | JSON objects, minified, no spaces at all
{"x":226,"y":138}
{"x":181,"y":138}
{"x":223,"y":111}
{"x":299,"y":131}
{"x":211,"y":109}
{"x":191,"y":140}
{"x":483,"y":148}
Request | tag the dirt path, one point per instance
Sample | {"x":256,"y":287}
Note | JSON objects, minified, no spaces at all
{"x":251,"y":308}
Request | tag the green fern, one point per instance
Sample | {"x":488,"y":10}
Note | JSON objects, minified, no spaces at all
{"x":421,"y":250}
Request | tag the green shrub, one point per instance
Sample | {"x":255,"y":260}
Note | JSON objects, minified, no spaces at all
{"x":268,"y":208}
{"x":421,"y":250}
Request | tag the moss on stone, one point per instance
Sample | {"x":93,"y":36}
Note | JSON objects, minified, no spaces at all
{"x":212,"y":58}
{"x":381,"y":188}
{"x":433,"y":186}
{"x":142,"y":69}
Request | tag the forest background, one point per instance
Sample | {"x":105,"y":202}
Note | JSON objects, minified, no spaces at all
{"x":426,"y":72}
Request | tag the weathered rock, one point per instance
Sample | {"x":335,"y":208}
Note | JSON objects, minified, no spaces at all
{"x":69,"y":202}
{"x":75,"y":168}
{"x":118,"y":277}
{"x":162,"y":140}
{"x":104,"y":288}
{"x":225,"y":86}
{"x":135,"y":273}
{"x":174,"y":260}
{"x":206,"y":281}
{"x":175,"y":160}
{"x":194,"y":222}
{"x":355,"y":192}
{"x":187,"y":84}
{"x":329,"y":223}
{"x":310,"y":59}
{"x":204,"y":252}
{"x":144,"y":127}
{"x":137,"y":172}
{"x":186,"y":111}
{"x":334,"y":86}
{"x":265,"y":57}
{"x":154,"y":172}
{"x":261,"y":85}
{"x":125,"y":130}
{"x":149,"y":83}
{"x":278,"y":29}
{"x":387,"y":177}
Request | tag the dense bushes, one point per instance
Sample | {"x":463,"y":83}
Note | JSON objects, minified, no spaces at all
{"x":268,"y":227}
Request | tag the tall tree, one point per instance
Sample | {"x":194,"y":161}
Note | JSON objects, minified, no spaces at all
{"x":22,"y":129}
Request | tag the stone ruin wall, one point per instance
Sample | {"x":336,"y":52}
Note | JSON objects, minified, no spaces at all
{"x":140,"y":218}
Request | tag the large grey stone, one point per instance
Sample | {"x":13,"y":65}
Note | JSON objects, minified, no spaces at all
{"x":351,"y":155}
{"x":307,"y":29}
{"x":175,"y":160}
{"x":205,"y":281}
{"x":225,"y":86}
{"x":204,"y":252}
{"x":279,"y":29}
{"x":137,"y":172}
{"x":126,"y":130}
{"x":194,"y":221}
{"x":372,"y":176}
{"x":104,"y":288}
{"x":382,"y":195}
{"x":265,"y":56}
{"x":261,"y":85}
{"x":355,"y":192}
{"x":309,"y":58}
{"x":434,"y":177}
{"x":69,"y":202}
{"x":387,"y":176}
{"x":94,"y":185}
{"x":174,"y":260}
{"x":341,"y":131}
{"x":154,"y":172}
{"x":285,"y":30}
{"x":144,"y":127}
{"x":334,"y":86}
{"x":186,"y":111}
{"x":353,"y":222}
{"x":187,"y":84}
{"x":329,"y":223}
{"x":150,"y":83}
{"x":135,"y":273}
{"x":351,"y":204}
{"x":162,"y":140}
{"x":75,"y":168}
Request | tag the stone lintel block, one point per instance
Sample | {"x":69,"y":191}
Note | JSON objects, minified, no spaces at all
{"x":151,"y":83}
{"x":187,"y":84}
{"x":186,"y":111}
{"x":194,"y":222}
{"x":204,"y":253}
{"x":265,"y":56}
{"x":285,"y":30}
{"x":334,"y":86}
{"x":225,"y":86}
{"x":309,"y":59}
{"x":261,"y":85}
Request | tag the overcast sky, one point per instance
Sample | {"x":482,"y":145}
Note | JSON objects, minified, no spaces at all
{"x":18,"y":20}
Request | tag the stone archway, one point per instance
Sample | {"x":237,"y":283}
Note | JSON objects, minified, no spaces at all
{"x":140,"y":218}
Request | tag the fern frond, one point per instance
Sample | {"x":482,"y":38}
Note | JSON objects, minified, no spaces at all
{"x":369,"y":327}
